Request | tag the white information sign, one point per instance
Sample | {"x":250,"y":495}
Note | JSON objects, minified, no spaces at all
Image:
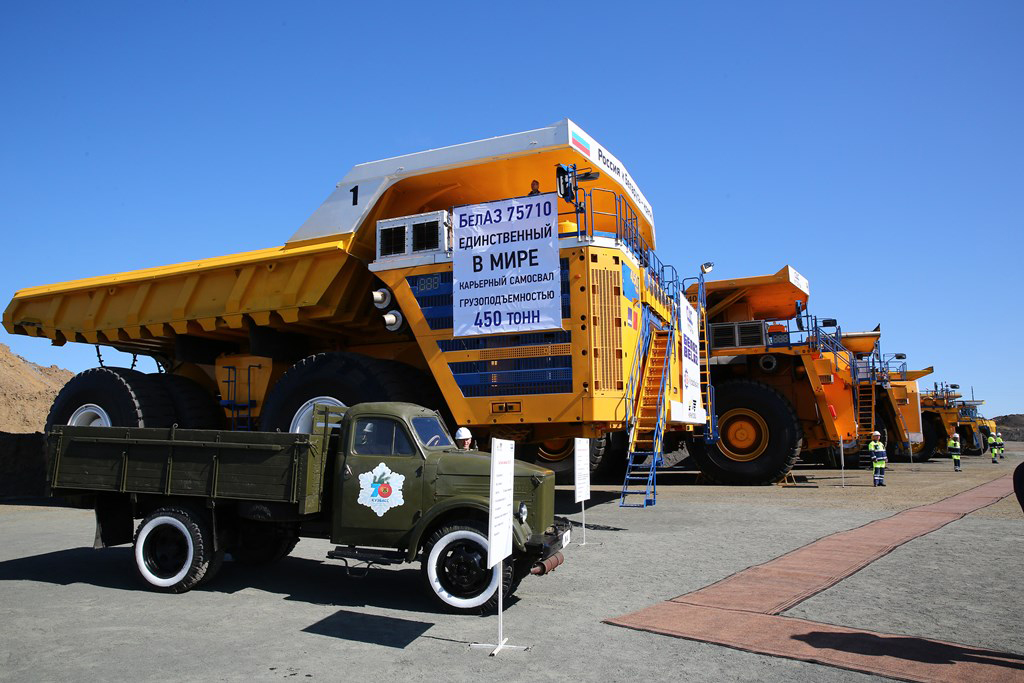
{"x":499,"y":525}
{"x":693,"y":411}
{"x":582,"y":470}
{"x":505,"y":271}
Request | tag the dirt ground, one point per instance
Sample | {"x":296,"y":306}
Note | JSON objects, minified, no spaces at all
{"x":26,"y":392}
{"x":69,"y":612}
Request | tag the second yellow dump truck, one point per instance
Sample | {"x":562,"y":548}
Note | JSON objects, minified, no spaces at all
{"x":511,"y":283}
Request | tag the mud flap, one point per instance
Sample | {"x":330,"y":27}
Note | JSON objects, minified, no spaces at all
{"x":114,"y":521}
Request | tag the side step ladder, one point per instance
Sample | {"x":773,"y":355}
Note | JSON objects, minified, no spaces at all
{"x":865,"y":418}
{"x":646,"y":434}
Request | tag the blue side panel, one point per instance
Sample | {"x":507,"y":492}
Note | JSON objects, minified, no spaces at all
{"x":433,"y":293}
{"x":505,"y":341}
{"x":514,"y":376}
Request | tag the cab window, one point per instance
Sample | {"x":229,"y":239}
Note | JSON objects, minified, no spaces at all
{"x":381,"y":436}
{"x":431,"y":432}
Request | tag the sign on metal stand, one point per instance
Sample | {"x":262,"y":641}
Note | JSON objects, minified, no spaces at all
{"x":499,"y":528}
{"x":582,"y":465}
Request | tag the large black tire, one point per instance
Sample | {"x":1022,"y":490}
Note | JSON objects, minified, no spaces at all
{"x":347,"y":378}
{"x":194,"y":406}
{"x":608,"y":456}
{"x":173,"y":549}
{"x":931,"y":433}
{"x":455,"y":569}
{"x":262,"y":543}
{"x":116,"y":397}
{"x":970,"y":441}
{"x":759,"y":436}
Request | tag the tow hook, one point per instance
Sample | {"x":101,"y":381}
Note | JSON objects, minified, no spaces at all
{"x":548,"y":565}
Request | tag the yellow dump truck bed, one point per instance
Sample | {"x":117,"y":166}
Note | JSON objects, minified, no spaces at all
{"x":764,"y":297}
{"x":282,"y":287}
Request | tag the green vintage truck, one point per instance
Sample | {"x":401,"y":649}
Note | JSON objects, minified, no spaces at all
{"x":383,"y":481}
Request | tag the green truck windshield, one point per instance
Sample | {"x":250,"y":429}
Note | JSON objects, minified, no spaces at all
{"x":431,"y":432}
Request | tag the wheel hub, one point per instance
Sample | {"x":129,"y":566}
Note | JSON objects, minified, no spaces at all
{"x":464,"y":568}
{"x":166,"y":552}
{"x":554,"y":450}
{"x":744,"y":435}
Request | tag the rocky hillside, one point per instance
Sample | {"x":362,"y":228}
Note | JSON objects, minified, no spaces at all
{"x":26,"y":392}
{"x":1011,"y":427}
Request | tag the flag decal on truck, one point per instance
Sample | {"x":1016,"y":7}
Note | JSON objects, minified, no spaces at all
{"x":580,"y":143}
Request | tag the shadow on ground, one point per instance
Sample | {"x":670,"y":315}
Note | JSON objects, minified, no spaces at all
{"x":294,"y":578}
{"x":909,"y":648}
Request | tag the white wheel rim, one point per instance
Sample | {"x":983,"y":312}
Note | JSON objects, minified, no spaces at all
{"x":435,"y":581}
{"x":90,"y":415}
{"x":302,"y":423}
{"x":140,"y":544}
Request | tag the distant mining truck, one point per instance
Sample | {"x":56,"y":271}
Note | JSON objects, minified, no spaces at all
{"x":509,"y":283}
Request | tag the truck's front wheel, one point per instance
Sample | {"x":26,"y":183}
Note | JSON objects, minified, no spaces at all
{"x":173,"y":549}
{"x":455,"y":569}
{"x":759,"y":436}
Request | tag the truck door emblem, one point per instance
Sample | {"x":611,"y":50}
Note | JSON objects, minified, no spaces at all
{"x":380,"y":489}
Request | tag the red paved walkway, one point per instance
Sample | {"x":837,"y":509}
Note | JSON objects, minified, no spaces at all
{"x":741,"y":610}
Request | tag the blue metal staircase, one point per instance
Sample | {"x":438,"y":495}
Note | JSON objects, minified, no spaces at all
{"x":648,"y":425}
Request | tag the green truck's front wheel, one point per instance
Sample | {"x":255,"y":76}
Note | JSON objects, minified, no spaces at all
{"x":174,"y":549}
{"x":455,"y":569}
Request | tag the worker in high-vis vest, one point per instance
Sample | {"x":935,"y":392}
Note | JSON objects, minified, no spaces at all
{"x":878,"y":458}
{"x":999,"y":442}
{"x":953,"y":446}
{"x":993,"y":447}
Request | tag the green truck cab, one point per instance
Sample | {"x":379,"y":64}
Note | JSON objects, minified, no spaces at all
{"x":383,"y":481}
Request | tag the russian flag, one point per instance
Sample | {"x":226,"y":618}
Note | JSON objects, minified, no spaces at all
{"x":581,"y":144}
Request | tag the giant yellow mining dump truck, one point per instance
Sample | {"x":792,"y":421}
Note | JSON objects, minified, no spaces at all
{"x":945,"y":412}
{"x":510,"y":282}
{"x":787,"y":387}
{"x":784,"y":384}
{"x":887,"y":396}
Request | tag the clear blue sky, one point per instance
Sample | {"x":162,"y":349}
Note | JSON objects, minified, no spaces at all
{"x":875,"y":146}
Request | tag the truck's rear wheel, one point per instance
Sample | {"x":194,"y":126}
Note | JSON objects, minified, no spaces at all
{"x":262,"y":543}
{"x":455,"y":569}
{"x":173,"y":549}
{"x":111,"y":397}
{"x":339,"y":379}
{"x":759,"y":436}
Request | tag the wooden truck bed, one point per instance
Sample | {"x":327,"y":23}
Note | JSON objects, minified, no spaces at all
{"x":255,"y":466}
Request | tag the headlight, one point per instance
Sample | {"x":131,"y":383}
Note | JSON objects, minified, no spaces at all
{"x":522,"y":513}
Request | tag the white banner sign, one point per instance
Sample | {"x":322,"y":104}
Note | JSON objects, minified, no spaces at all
{"x":505,"y":272}
{"x":693,"y":410}
{"x":499,"y":525}
{"x":582,"y":470}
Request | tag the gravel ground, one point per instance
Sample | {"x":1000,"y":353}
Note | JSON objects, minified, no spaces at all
{"x":69,"y":612}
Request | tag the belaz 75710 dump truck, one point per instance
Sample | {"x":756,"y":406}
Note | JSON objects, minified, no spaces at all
{"x":509,"y":282}
{"x":382,"y":480}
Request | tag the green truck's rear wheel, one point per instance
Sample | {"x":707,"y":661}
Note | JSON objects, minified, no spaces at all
{"x":174,"y":549}
{"x":455,"y":569}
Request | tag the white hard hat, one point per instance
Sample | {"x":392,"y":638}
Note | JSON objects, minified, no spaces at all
{"x":999,"y":433}
{"x":956,"y":436}
{"x":463,"y":433}
{"x":367,"y":428}
{"x":876,"y":433}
